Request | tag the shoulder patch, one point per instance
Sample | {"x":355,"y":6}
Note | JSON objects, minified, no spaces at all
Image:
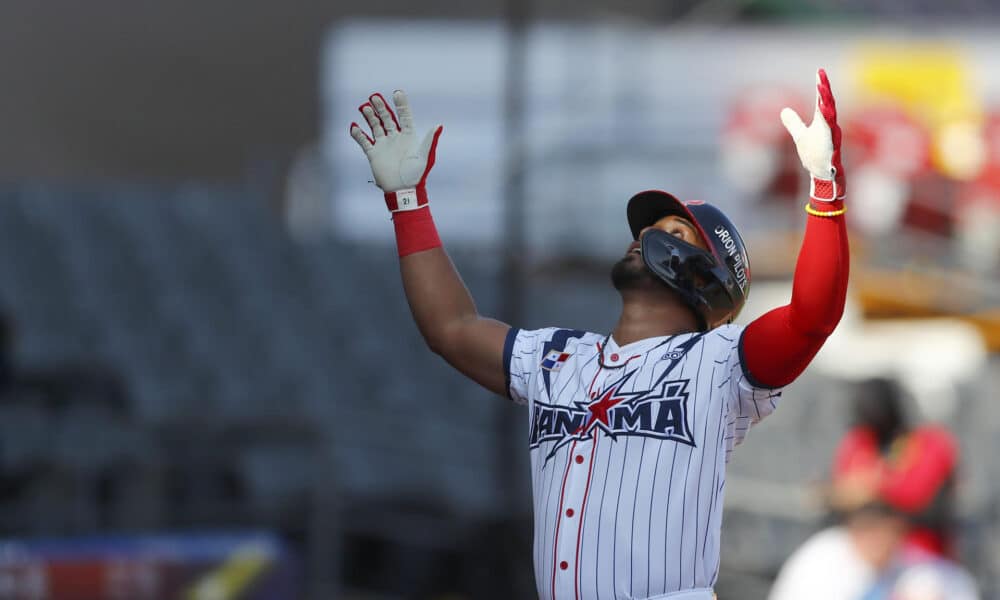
{"x":554,"y":360}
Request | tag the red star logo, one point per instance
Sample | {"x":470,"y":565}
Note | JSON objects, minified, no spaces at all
{"x":599,"y":408}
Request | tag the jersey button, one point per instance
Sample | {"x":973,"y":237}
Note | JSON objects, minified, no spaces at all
{"x":569,"y":512}
{"x":614,"y":357}
{"x":564,"y":565}
{"x":579,"y":458}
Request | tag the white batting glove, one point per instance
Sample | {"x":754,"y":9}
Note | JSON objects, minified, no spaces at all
{"x":819,"y":144}
{"x":399,"y":162}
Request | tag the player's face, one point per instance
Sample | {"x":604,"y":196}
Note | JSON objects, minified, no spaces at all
{"x":679,"y":227}
{"x":675,"y":226}
{"x":631,"y":272}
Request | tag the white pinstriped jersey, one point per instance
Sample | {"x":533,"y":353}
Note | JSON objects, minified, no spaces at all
{"x":629,"y":447}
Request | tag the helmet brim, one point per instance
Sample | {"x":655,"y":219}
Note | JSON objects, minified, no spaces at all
{"x":648,"y":207}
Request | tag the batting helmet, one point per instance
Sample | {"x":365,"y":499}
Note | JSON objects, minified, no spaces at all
{"x":714,"y":283}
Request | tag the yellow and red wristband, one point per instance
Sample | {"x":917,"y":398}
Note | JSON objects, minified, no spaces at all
{"x":822,"y":211}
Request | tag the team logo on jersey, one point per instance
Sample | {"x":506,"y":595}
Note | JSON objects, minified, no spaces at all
{"x":554,"y":360}
{"x":660,"y":413}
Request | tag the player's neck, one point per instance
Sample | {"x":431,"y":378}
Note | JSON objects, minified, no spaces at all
{"x":647,"y":315}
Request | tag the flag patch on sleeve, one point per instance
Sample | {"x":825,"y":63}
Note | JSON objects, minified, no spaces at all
{"x":554,"y":360}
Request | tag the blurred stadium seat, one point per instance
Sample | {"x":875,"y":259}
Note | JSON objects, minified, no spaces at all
{"x":251,"y":369}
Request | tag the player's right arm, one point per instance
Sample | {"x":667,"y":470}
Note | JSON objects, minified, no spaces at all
{"x":778,"y":345}
{"x":441,"y":305}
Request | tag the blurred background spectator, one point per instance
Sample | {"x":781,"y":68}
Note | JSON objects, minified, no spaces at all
{"x":886,"y":461}
{"x":867,"y":558}
{"x":892,"y":493}
{"x":201,"y":385}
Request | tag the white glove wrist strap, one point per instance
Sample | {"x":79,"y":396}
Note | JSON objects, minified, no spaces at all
{"x":406,"y":199}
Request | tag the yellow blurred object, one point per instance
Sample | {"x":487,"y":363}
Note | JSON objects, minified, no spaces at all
{"x":918,"y":291}
{"x":893,"y":294}
{"x":932,"y":83}
{"x":988,"y":323}
{"x":233,"y":577}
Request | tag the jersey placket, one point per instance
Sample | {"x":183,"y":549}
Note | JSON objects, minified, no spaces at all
{"x":576,"y":488}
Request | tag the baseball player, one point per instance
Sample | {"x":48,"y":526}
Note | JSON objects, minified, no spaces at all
{"x":630,"y":431}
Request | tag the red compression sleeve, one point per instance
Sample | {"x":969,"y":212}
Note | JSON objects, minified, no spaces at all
{"x":777,"y":346}
{"x":415,"y":231}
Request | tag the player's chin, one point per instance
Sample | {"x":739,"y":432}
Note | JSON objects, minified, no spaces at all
{"x":631,"y":273}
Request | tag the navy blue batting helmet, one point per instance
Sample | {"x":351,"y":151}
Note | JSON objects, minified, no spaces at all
{"x":714,"y":283}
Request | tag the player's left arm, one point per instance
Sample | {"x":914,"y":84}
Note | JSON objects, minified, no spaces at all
{"x":778,"y":346}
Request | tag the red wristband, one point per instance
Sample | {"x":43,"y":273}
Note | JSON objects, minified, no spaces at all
{"x":415,"y":231}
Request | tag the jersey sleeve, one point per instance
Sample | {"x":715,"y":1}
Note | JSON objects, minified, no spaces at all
{"x":522,"y":358}
{"x":747,"y":403}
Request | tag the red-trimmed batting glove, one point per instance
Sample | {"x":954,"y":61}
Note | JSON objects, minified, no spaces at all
{"x":819,"y":143}
{"x":399,"y":162}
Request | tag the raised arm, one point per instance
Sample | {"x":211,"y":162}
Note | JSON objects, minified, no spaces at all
{"x":441,"y":305}
{"x":777,"y":346}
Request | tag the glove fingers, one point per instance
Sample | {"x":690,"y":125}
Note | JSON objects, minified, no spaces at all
{"x":366,"y":143}
{"x":403,"y":110}
{"x":793,"y":123}
{"x":385,"y":114}
{"x":372,"y":119}
{"x":828,"y":107}
{"x":821,"y":78}
{"x":825,"y":104}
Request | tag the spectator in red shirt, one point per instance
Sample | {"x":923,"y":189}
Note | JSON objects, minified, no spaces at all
{"x":885,"y":462}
